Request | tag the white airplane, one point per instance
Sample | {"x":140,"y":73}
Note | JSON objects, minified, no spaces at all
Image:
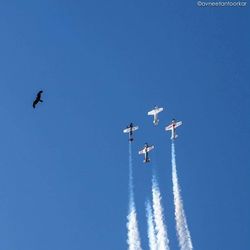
{"x":174,"y":124}
{"x":155,"y":113}
{"x":145,"y":151}
{"x":130,"y":129}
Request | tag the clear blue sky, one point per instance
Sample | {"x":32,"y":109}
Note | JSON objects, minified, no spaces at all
{"x":103,"y":64}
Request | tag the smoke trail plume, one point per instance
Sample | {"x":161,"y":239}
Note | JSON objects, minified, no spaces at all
{"x":151,"y":227}
{"x":183,"y":233}
{"x":160,"y":228}
{"x":133,"y":240}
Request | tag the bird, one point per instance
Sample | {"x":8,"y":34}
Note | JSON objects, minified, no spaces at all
{"x":38,"y":98}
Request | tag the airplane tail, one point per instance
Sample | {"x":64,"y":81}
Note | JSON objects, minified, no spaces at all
{"x":174,"y":137}
{"x":156,"y":122}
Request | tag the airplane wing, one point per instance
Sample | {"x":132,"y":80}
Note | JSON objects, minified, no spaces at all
{"x":159,"y":110}
{"x":142,"y":151}
{"x":177,"y":124}
{"x":152,"y":112}
{"x":135,"y":128}
{"x":155,"y":111}
{"x":150,"y":148}
{"x":169,"y":127}
{"x":126,"y":130}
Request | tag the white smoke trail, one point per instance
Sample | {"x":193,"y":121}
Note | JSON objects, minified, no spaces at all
{"x":160,"y":228}
{"x":133,"y":240}
{"x":183,"y":233}
{"x":151,"y":227}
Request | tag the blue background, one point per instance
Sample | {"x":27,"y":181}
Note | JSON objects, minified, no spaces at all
{"x":103,"y":64}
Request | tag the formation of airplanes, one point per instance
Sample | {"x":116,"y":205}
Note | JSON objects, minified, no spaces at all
{"x":171,"y":127}
{"x":131,"y":128}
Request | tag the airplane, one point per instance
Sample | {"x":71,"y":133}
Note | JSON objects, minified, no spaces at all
{"x":155,"y":113}
{"x":38,"y":98}
{"x":130,"y":129}
{"x":145,"y":151}
{"x":174,"y":124}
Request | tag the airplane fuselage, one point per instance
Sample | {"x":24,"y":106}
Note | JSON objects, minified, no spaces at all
{"x":156,"y":120}
{"x":146,"y":157}
{"x":174,"y":136}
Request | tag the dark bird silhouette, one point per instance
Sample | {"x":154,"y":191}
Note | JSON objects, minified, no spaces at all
{"x":38,"y":98}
